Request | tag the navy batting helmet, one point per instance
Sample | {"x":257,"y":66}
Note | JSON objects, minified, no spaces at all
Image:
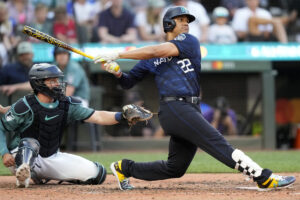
{"x":168,"y":20}
{"x":37,"y":75}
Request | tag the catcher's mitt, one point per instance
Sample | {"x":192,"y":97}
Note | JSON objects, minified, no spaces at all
{"x":133,"y":114}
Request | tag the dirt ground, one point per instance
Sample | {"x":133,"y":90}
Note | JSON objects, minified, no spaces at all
{"x":189,"y":187}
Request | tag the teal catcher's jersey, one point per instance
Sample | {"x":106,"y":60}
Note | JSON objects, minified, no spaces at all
{"x":14,"y":123}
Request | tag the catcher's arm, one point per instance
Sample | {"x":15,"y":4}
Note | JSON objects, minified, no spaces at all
{"x":103,"y":118}
{"x":131,"y":114}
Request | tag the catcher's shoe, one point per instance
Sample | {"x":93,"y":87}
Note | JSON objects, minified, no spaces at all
{"x":122,"y":180}
{"x":23,"y":175}
{"x":276,"y":181}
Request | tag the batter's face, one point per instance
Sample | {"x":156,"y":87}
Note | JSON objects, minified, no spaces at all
{"x":182,"y":25}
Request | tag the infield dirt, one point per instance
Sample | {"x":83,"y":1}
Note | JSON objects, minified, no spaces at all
{"x":188,"y":187}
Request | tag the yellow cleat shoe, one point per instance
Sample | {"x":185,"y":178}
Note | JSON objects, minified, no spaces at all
{"x":122,"y":180}
{"x":276,"y":181}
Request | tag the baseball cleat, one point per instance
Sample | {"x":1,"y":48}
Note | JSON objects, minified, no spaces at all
{"x":23,"y":176}
{"x":276,"y":181}
{"x":122,"y":180}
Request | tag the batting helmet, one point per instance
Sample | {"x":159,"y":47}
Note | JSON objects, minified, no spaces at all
{"x":37,"y":75}
{"x":168,"y":19}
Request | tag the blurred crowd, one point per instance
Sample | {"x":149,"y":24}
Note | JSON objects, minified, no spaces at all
{"x":132,"y":21}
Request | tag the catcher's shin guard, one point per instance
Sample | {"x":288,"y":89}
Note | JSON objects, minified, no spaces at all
{"x":245,"y":164}
{"x":28,"y":151}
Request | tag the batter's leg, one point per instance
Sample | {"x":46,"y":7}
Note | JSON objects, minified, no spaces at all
{"x":181,"y":153}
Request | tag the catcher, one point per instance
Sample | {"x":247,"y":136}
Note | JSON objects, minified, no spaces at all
{"x":34,"y":124}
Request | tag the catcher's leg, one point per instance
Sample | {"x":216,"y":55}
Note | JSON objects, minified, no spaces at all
{"x":70,"y":168}
{"x":28,"y":151}
{"x":99,"y":179}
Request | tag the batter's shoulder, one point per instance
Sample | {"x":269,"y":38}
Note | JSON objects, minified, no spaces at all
{"x":186,"y":37}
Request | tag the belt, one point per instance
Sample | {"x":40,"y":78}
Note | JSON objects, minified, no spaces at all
{"x":193,"y":100}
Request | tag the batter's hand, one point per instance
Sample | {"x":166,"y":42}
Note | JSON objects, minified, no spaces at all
{"x":106,"y":57}
{"x":8,"y":160}
{"x":114,"y":68}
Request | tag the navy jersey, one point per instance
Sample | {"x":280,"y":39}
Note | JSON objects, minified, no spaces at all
{"x":174,"y":76}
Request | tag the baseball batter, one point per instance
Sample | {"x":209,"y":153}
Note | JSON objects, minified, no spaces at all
{"x":176,"y":65}
{"x":34,"y":127}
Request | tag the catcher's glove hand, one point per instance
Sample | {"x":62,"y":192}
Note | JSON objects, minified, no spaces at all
{"x":133,"y":114}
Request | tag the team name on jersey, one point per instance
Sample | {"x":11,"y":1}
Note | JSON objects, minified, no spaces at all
{"x":162,"y":60}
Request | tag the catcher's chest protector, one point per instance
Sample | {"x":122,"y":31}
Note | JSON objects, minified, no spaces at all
{"x":47,"y":126}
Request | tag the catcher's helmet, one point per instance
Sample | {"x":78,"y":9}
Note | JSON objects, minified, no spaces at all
{"x":168,"y":19}
{"x":37,"y":75}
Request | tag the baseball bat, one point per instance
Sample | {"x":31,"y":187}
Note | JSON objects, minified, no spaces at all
{"x":51,"y":40}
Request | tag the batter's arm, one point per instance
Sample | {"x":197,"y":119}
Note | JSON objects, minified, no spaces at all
{"x":166,"y":49}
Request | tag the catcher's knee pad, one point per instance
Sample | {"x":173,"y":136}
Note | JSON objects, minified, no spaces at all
{"x":245,"y":164}
{"x":28,"y":150}
{"x":101,"y":176}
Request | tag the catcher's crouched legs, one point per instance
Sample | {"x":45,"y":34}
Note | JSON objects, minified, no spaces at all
{"x":27,"y":153}
{"x":100,"y":178}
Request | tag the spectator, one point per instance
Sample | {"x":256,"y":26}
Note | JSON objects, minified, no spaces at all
{"x":85,"y":13}
{"x":136,"y":5}
{"x":64,"y":27}
{"x":14,"y":76}
{"x":48,"y":3}
{"x":233,"y":5}
{"x":220,"y":32}
{"x":199,"y":27}
{"x":116,"y":24}
{"x":256,"y":24}
{"x":77,"y":81}
{"x":5,"y":34}
{"x":41,"y":22}
{"x":148,"y":21}
{"x":20,"y":13}
{"x":222,"y":117}
{"x":294,"y":10}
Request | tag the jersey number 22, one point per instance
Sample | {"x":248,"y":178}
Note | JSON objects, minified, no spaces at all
{"x":184,"y":65}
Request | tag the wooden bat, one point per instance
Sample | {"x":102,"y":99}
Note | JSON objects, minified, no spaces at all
{"x":51,"y":40}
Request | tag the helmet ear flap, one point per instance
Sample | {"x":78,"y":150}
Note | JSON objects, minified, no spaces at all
{"x":169,"y":25}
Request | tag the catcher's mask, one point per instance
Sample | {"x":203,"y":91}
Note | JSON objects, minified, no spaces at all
{"x":168,"y":19}
{"x":43,"y":71}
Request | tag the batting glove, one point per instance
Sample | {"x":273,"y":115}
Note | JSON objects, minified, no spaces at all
{"x":106,"y":57}
{"x":114,"y":68}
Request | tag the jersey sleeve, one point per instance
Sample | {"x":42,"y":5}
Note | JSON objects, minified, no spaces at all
{"x":187,"y":45}
{"x":136,"y":74}
{"x":78,"y":112}
{"x":12,"y":122}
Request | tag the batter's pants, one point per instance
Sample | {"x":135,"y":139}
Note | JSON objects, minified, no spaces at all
{"x":188,"y":130}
